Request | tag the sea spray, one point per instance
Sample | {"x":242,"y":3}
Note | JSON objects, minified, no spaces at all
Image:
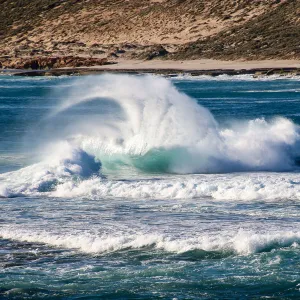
{"x":154,"y":127}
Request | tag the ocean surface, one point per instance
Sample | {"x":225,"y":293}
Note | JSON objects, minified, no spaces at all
{"x":143,"y":187}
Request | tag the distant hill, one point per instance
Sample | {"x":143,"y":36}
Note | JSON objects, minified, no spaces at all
{"x":176,"y":29}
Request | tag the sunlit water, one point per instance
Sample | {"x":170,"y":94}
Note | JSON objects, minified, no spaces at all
{"x":120,"y":187}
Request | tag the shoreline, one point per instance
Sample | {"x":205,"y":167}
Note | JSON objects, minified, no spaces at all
{"x":169,"y":68}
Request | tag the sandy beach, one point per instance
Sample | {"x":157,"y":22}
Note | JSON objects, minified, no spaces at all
{"x":201,"y":64}
{"x":168,"y":67}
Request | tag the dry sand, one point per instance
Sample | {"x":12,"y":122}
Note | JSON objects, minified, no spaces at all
{"x":195,"y":67}
{"x":202,"y":64}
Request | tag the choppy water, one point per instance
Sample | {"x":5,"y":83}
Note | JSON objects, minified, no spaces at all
{"x":123,"y":187}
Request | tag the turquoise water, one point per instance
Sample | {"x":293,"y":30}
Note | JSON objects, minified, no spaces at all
{"x":124,"y":187}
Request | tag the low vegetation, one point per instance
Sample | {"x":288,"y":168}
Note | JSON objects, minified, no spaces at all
{"x":150,"y":29}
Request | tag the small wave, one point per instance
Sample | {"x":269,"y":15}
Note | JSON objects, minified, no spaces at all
{"x":246,"y":187}
{"x":241,"y":243}
{"x":243,"y":77}
{"x":70,"y":178}
{"x":272,"y":91}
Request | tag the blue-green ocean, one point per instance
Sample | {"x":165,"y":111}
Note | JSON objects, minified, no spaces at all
{"x":145,"y":187}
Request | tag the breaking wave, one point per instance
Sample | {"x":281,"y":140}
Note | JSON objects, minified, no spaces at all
{"x":146,"y":123}
{"x":143,"y":124}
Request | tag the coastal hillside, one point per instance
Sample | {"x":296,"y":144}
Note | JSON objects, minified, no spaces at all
{"x":147,"y":29}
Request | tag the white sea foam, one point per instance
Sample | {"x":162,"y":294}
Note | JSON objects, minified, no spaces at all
{"x":241,"y":242}
{"x":244,"y":187}
{"x":64,"y":180}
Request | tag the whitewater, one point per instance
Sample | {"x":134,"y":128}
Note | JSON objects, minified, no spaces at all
{"x":138,"y":187}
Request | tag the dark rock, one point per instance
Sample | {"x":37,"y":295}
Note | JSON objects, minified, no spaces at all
{"x":98,"y":51}
{"x":129,"y":46}
{"x":157,"y":51}
{"x":227,"y":17}
{"x":95,"y":46}
{"x":113,"y":54}
{"x":44,"y":63}
{"x":120,"y":51}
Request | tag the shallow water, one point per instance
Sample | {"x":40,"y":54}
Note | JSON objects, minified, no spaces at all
{"x":120,"y":187}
